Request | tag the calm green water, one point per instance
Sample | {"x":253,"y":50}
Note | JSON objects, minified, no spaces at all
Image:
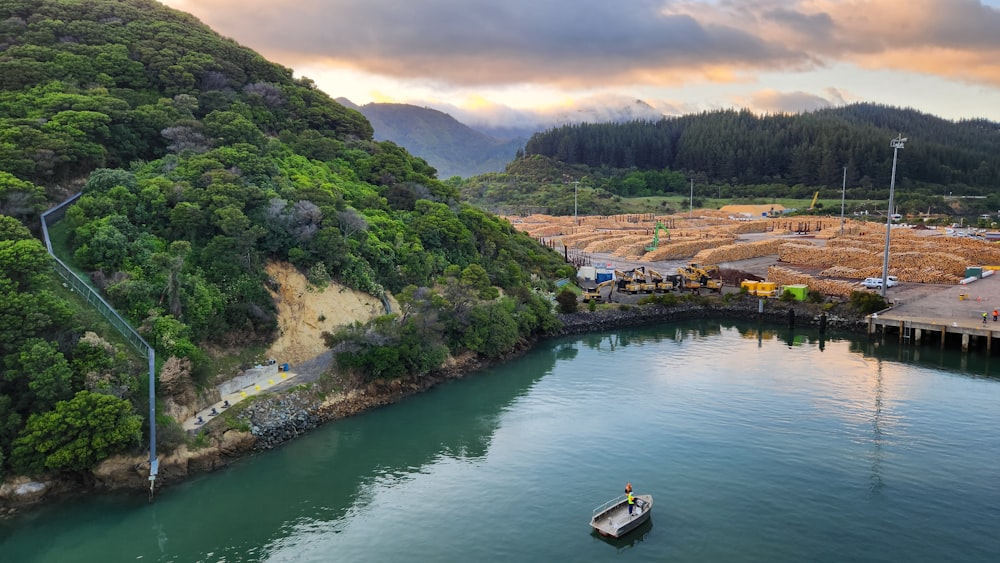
{"x":756,"y":445}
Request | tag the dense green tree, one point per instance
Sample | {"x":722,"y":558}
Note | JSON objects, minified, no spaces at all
{"x":76,"y":435}
{"x":739,"y":147}
{"x":19,"y":198}
{"x":12,"y":230}
{"x":200,"y":161}
{"x":567,"y":301}
{"x":492,"y":330}
{"x":47,"y":372}
{"x":24,"y":262}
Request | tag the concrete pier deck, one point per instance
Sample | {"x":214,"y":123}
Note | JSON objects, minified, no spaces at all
{"x":923,"y":313}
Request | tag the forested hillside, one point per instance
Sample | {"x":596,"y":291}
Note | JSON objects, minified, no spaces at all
{"x":452,"y":148}
{"x":200,"y":162}
{"x":812,"y":149}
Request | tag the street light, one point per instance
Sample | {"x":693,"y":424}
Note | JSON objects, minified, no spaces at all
{"x":896,"y":144}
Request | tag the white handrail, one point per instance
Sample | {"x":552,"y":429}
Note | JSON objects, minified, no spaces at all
{"x":604,"y":507}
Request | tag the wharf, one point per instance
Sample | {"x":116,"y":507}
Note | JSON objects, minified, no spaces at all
{"x":942,"y":313}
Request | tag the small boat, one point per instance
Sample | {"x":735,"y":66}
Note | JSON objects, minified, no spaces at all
{"x":612,"y":519}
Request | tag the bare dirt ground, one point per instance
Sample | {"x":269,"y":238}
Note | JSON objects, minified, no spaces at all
{"x":305,"y":312}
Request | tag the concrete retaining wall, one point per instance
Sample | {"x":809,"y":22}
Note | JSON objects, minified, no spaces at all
{"x":258,"y":375}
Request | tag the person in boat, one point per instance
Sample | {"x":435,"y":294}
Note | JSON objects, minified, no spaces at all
{"x":628,"y":488}
{"x":631,"y":502}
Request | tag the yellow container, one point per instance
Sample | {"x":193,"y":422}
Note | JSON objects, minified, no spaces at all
{"x":767,"y":288}
{"x":751,"y":286}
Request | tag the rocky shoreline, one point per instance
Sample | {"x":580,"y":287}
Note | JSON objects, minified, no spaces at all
{"x":275,"y":419}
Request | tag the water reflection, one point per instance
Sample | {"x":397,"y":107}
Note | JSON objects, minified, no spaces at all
{"x":628,"y":541}
{"x":876,"y":479}
{"x":566,"y":352}
{"x":673,"y":332}
{"x":763,"y":445}
{"x":972,"y":363}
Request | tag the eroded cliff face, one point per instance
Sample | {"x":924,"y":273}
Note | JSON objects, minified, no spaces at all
{"x":305,"y":312}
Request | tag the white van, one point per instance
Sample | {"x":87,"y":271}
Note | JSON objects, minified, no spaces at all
{"x":876,"y":283}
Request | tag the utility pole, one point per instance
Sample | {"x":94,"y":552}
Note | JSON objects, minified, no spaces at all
{"x":843,"y":195}
{"x":896,"y":144}
{"x":691,"y":204}
{"x":576,"y":187}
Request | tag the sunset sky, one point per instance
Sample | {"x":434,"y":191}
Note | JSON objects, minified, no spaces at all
{"x":488,"y":61}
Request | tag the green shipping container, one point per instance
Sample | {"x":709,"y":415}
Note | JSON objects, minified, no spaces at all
{"x":799,"y":290}
{"x":974,"y":271}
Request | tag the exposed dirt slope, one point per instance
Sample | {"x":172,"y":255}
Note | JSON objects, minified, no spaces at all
{"x":305,"y":312}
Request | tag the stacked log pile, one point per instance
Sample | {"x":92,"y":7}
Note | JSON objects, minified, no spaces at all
{"x":921,"y":275}
{"x":976,"y":252}
{"x":926,"y":259}
{"x":784,"y":276}
{"x":860,"y":263}
{"x":709,"y":236}
{"x":734,"y":252}
{"x":810,"y":255}
{"x":613,"y":245}
{"x":745,"y":227}
{"x":632,"y":251}
{"x":685,"y":249}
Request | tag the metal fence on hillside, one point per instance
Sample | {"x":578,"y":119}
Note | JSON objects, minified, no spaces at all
{"x":95,"y":300}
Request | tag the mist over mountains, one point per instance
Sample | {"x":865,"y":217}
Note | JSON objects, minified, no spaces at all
{"x":466,"y":143}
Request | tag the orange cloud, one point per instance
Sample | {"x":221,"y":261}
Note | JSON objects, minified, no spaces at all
{"x":957,"y":65}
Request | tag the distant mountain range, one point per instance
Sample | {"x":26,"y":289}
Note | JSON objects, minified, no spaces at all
{"x":453,"y":148}
{"x":457,"y":149}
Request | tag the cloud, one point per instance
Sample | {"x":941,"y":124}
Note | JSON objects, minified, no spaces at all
{"x":925,"y":36}
{"x":584,"y":43}
{"x":584,"y":48}
{"x":593,"y":109}
{"x":772,"y":101}
{"x":483,"y":42}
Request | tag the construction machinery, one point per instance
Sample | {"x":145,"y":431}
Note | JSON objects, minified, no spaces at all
{"x":632,"y":280}
{"x":813,"y":204}
{"x":596,"y":294}
{"x":656,"y":237}
{"x":697,"y":277}
{"x":622,"y":278}
{"x":646,"y":283}
{"x":662,"y":284}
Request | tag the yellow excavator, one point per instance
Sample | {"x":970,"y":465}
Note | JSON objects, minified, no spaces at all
{"x":595,"y":294}
{"x":660,"y":284}
{"x":697,"y":277}
{"x":632,"y":280}
{"x":647,"y":284}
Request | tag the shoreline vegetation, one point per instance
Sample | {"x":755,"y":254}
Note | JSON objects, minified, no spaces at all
{"x":276,"y":418}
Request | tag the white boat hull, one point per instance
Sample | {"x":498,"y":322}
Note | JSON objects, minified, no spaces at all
{"x":612,"y":519}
